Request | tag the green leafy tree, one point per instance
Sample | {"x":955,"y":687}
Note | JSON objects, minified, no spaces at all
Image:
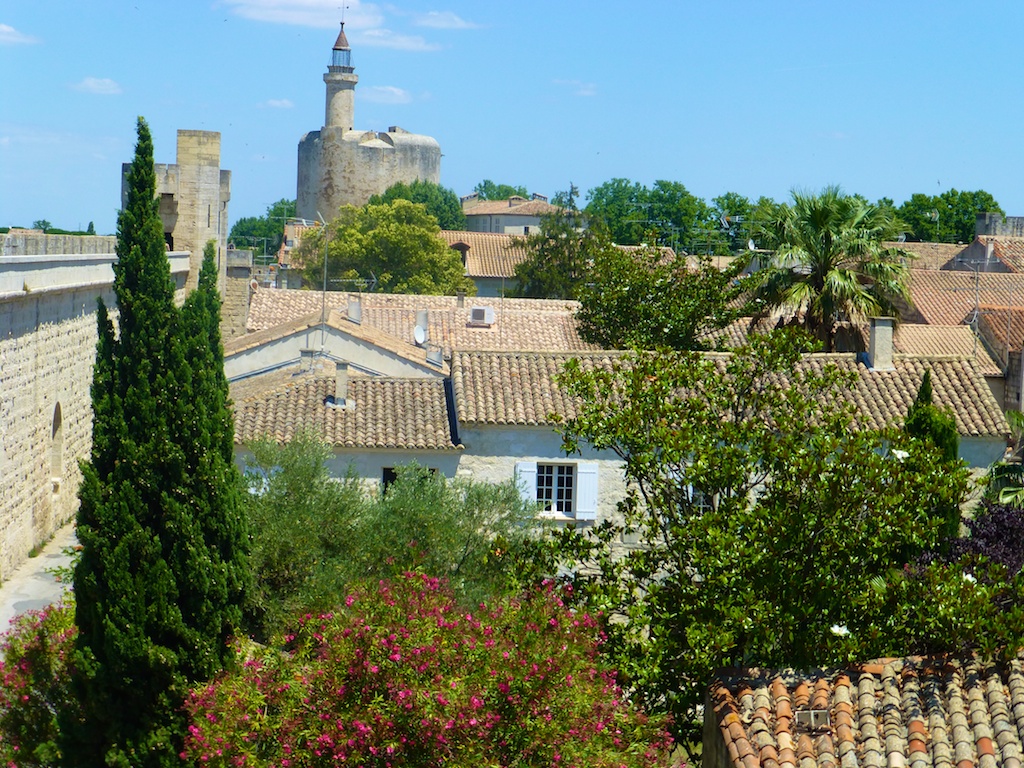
{"x":313,"y":537}
{"x":488,"y":190}
{"x":648,"y":299}
{"x":441,"y":203}
{"x":666,"y":214}
{"x":389,"y":248}
{"x":831,"y":265}
{"x":622,"y":207}
{"x":91,"y":229}
{"x":949,"y":217}
{"x":771,"y":532}
{"x":559,"y":254}
{"x":263,"y":233}
{"x":42,"y":224}
{"x":162,"y":574}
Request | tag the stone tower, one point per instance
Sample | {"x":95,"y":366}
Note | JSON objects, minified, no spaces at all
{"x":194,"y":195}
{"x":339,"y":165}
{"x":341,"y":79}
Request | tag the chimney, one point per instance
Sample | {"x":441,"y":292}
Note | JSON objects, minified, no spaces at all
{"x":341,"y":385}
{"x":880,"y":344}
{"x":306,"y":360}
{"x":355,"y":309}
{"x":460,"y":298}
{"x":990,"y":247}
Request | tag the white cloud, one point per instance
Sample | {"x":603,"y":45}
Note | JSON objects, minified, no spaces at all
{"x":385,"y":38}
{"x":579,"y":88}
{"x":320,"y":14}
{"x":443,"y":20}
{"x":385,"y":94}
{"x":101,"y":86}
{"x":278,"y":103}
{"x":364,"y":22}
{"x":10,"y":36}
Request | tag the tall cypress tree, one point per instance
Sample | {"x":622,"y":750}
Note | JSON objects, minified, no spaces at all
{"x":162,"y":572}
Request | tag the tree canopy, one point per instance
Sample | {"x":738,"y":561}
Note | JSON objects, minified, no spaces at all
{"x":314,"y":537}
{"x":441,"y":203}
{"x":770,"y":532}
{"x":831,"y":265}
{"x":648,"y":298}
{"x":559,"y":254}
{"x":949,"y":217}
{"x":263,"y":233}
{"x":389,"y":248}
{"x":488,"y":190}
{"x":162,"y":574}
{"x":666,"y":214}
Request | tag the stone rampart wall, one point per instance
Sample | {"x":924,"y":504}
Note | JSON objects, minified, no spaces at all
{"x":47,"y":350}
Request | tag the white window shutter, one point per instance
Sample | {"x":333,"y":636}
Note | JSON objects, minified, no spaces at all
{"x":586,"y":490}
{"x":526,"y":480}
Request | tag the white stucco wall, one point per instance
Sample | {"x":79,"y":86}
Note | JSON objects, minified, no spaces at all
{"x":492,"y":453}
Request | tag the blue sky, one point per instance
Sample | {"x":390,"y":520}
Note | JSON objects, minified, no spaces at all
{"x":883,"y":98}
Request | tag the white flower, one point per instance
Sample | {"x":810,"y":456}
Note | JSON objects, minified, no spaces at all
{"x":840,"y":630}
{"x":900,"y":455}
{"x":970,"y":577}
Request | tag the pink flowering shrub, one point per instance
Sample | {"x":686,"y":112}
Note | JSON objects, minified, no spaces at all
{"x":35,"y":695}
{"x":400,"y":676}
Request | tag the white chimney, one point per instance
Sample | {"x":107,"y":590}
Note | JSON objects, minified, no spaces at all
{"x":306,"y":360}
{"x":880,"y":346}
{"x":341,"y":385}
{"x":355,"y":309}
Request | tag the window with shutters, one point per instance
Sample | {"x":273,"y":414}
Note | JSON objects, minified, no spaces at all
{"x":564,"y":490}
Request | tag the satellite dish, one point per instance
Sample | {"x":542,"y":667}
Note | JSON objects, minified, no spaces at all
{"x":419,"y":333}
{"x":254,"y":284}
{"x":750,"y":245}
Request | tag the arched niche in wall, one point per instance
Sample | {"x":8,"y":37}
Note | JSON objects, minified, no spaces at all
{"x":57,"y":448}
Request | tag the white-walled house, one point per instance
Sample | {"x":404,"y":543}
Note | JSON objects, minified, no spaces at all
{"x":485,"y":413}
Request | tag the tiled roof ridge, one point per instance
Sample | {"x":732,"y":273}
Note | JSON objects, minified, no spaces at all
{"x":305,"y":377}
{"x":257,"y":338}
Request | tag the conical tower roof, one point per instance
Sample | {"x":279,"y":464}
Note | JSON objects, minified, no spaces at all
{"x":341,"y":44}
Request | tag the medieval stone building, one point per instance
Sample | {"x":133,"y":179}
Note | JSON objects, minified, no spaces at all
{"x":194,"y":194}
{"x":342,"y":166}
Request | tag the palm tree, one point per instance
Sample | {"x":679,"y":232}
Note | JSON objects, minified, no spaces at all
{"x":830,"y":265}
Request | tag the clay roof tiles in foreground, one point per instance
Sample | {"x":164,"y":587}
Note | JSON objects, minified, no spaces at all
{"x":519,"y":388}
{"x":910,"y":713}
{"x":389,"y":413}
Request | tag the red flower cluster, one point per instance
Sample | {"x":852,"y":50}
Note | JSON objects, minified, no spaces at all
{"x":401,"y":677}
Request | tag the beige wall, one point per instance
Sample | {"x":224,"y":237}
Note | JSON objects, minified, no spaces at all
{"x":47,"y":351}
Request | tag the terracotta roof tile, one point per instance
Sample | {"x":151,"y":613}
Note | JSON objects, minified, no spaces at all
{"x":1004,"y":324}
{"x":400,"y":414}
{"x":919,"y":713}
{"x":930,"y":255}
{"x":912,"y":339}
{"x":1009,"y":250}
{"x":948,"y":297}
{"x":488,"y":254}
{"x":509,"y":208}
{"x":520,"y":388}
{"x":534,"y":324}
